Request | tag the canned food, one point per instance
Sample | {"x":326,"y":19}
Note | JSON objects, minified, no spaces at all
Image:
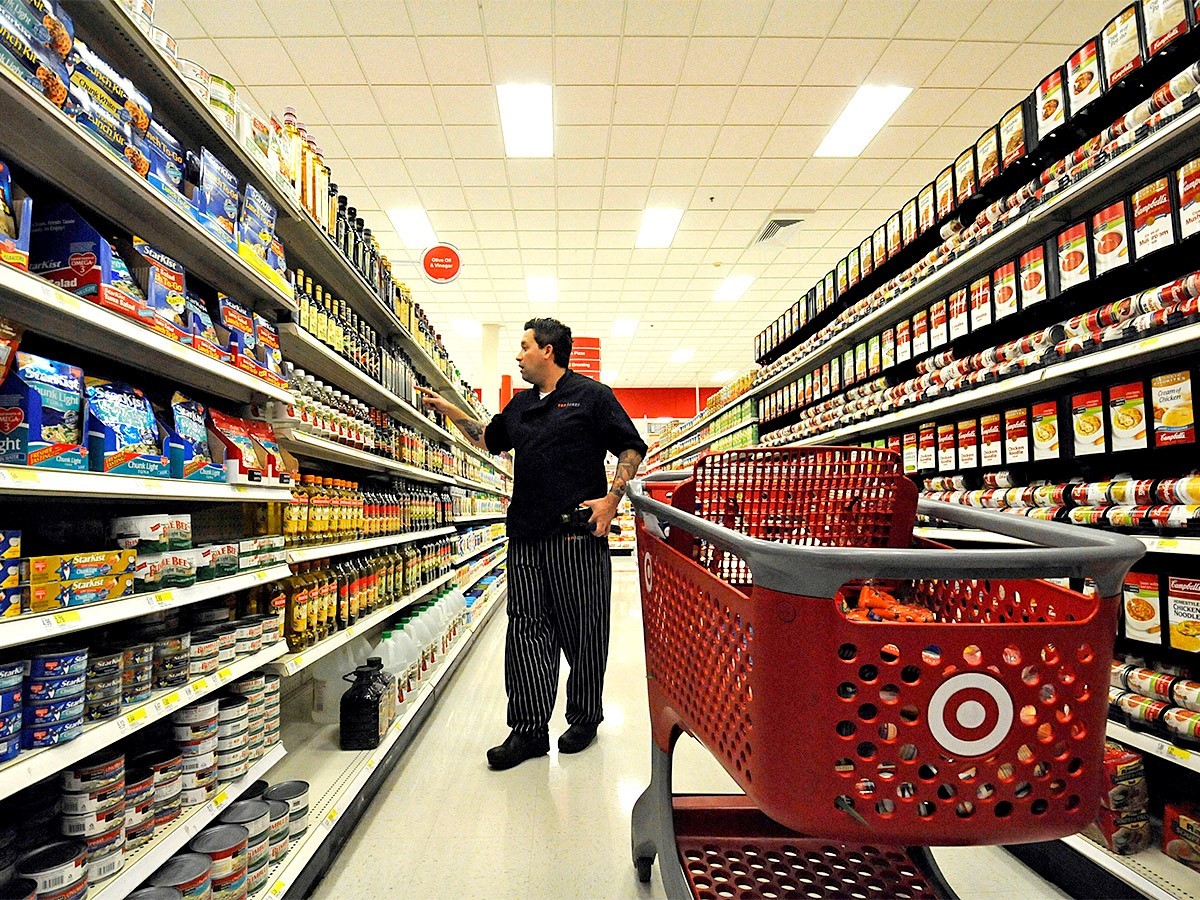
{"x":233,"y":742}
{"x":189,"y":873}
{"x":136,"y":655}
{"x":1182,"y":723}
{"x":203,"y":778}
{"x":19,"y":889}
{"x":256,"y":876}
{"x":139,"y":813}
{"x":137,"y":676}
{"x":225,"y":845}
{"x":172,"y":645}
{"x":105,"y":665}
{"x":247,"y":685}
{"x":56,"y":866}
{"x":84,"y":802}
{"x":77,"y":891}
{"x":131,"y":695}
{"x":1186,"y":693}
{"x":199,"y":762}
{"x":1150,"y":683}
{"x":136,"y":838}
{"x":113,"y":839}
{"x":231,"y":886}
{"x":199,"y":746}
{"x":139,"y":781}
{"x":52,"y":712}
{"x":233,"y":706}
{"x":231,"y":757}
{"x":279,"y":847}
{"x":168,"y":790}
{"x":195,"y":730}
{"x":58,"y":663}
{"x":232,"y":727}
{"x":90,"y":824}
{"x":100,"y":868}
{"x":102,"y":708}
{"x":198,"y":668}
{"x":246,"y":648}
{"x":204,"y":645}
{"x":198,"y":712}
{"x":254,"y":815}
{"x":232,"y":772}
{"x":164,"y":680}
{"x":10,"y":724}
{"x":255,"y":791}
{"x":12,"y":674}
{"x":166,"y":764}
{"x":1142,"y":710}
{"x":298,"y":823}
{"x":104,"y":688}
{"x":10,"y":701}
{"x":167,"y":812}
{"x":41,"y":690}
{"x":155,"y":893}
{"x":198,"y":796}
{"x":37,"y":736}
{"x":96,"y":772}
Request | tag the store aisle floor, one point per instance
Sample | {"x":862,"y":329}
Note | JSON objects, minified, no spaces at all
{"x":443,"y":825}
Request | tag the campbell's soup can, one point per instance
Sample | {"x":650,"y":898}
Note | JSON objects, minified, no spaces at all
{"x":1116,"y":676}
{"x":1143,"y":710}
{"x":1182,"y":723}
{"x":1150,"y":683}
{"x":1186,"y":693}
{"x":1131,"y":493}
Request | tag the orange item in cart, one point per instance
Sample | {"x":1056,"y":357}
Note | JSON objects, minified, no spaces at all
{"x":872,"y":598}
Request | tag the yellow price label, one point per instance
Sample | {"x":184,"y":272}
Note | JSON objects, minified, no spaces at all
{"x":297,"y":663}
{"x":153,"y":485}
{"x":164,"y":596}
{"x":225,"y":674}
{"x":136,"y":716}
{"x":261,"y":576}
{"x":1179,"y":753}
{"x":220,"y":799}
{"x":241,"y":489}
{"x":333,"y":814}
{"x":201,"y":685}
{"x":278,"y":887}
{"x":66,"y":618}
{"x":171,"y":698}
{"x":1167,"y":542}
{"x":27,"y":475}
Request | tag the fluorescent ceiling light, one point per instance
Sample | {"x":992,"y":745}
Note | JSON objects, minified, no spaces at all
{"x":608,"y":375}
{"x":682,"y":355}
{"x":414,"y":227}
{"x":658,"y":226}
{"x":527,"y":119}
{"x":868,"y":111}
{"x":723,"y":376}
{"x":624,"y":328}
{"x":733,"y":287}
{"x":541,"y":288}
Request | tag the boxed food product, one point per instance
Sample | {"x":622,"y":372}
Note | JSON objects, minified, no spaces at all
{"x":1124,"y":779}
{"x":113,"y":92}
{"x":1046,"y":432}
{"x":1164,"y":21}
{"x":1127,"y":416}
{"x":959,"y":304}
{"x":943,"y":187}
{"x":1153,"y":218}
{"x":199,"y":326}
{"x":234,"y":326}
{"x":1050,"y":101}
{"x":1183,"y":613}
{"x":981,"y":302}
{"x":1004,"y":291}
{"x":41,"y":413}
{"x":1142,"y":608}
{"x":218,"y":560}
{"x":10,"y":544}
{"x":162,"y":281}
{"x":1084,"y":83}
{"x":1087,"y":423}
{"x":156,"y":533}
{"x":1174,"y":418}
{"x":122,"y":433}
{"x":1012,"y":135}
{"x":1032,"y":265}
{"x":866,"y":257}
{"x":73,"y":566}
{"x":281,"y":466}
{"x":43,"y":21}
{"x":1124,"y":832}
{"x":1074,"y":256}
{"x":927,"y":447}
{"x":48,"y":596}
{"x":167,"y":162}
{"x":909,"y":443}
{"x":10,"y":573}
{"x":27,"y":57}
{"x":1121,"y":45}
{"x":895,"y":239}
{"x":234,"y":449}
{"x":215,"y":199}
{"x":116,"y":136}
{"x":187,"y":441}
{"x":991,"y":440}
{"x":266,"y":345}
{"x":1181,"y":832}
{"x":852,"y":268}
{"x":256,"y":237}
{"x":926,"y":208}
{"x":908,"y":221}
{"x":1187,"y":181}
{"x":173,"y":568}
{"x":1110,"y":236}
{"x":1016,"y":435}
{"x":16,"y":220}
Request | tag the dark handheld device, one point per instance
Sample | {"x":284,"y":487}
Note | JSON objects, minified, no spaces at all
{"x":576,"y":521}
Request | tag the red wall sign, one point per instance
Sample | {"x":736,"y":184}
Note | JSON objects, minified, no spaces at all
{"x":441,"y":263}
{"x":585,"y":356}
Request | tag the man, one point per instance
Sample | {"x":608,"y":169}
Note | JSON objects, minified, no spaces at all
{"x":560,"y":578}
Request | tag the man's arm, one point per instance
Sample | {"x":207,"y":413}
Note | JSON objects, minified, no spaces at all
{"x":604,"y":510}
{"x":628,"y":464}
{"x":471,"y":428}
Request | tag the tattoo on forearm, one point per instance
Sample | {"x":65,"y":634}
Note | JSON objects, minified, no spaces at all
{"x":471,"y":428}
{"x":627,"y":466}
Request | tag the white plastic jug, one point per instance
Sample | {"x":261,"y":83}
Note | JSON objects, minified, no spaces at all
{"x":328,"y":686}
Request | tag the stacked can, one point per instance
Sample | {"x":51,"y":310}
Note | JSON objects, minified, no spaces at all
{"x":172,"y":659}
{"x":196,"y":729}
{"x":225,"y":636}
{"x":249,"y":635}
{"x":167,"y":766}
{"x":188,"y":873}
{"x":95,"y":807}
{"x":137,"y":673}
{"x":204,"y":657}
{"x":233,"y":733}
{"x":226,"y":846}
{"x":280,"y":831}
{"x":12,"y":675}
{"x":254,"y":816}
{"x":59,"y":870}
{"x":295,"y":795}
{"x":139,"y":807}
{"x":103,"y":693}
{"x":271,"y":713}
{"x":254,"y":688}
{"x":56,"y":677}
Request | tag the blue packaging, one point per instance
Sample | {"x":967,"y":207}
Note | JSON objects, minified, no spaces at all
{"x":37,"y":736}
{"x":10,"y":544}
{"x":39,"y":67}
{"x":10,"y":700}
{"x":110,"y":91}
{"x":16,"y":220}
{"x":215,"y":200}
{"x":166,"y":160}
{"x":256,"y":222}
{"x":57,"y":663}
{"x":42,"y":22}
{"x":12,"y":674}
{"x":41,"y":422}
{"x":9,"y":748}
{"x":116,"y":136}
{"x":45,"y":690}
{"x":162,"y":282}
{"x":10,"y":573}
{"x":50,"y":712}
{"x":122,"y":432}
{"x":10,"y":724}
{"x":187,"y":442}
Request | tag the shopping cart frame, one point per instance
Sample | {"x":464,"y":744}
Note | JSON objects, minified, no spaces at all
{"x":1059,"y":550}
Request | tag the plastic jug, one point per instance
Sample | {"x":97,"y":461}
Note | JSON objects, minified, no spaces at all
{"x":327,"y":676}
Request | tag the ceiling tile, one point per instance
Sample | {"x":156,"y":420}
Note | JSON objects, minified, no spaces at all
{"x":541,"y":197}
{"x":348,"y":104}
{"x":467,"y":104}
{"x":381,"y":174}
{"x":585,"y":60}
{"x":475,"y":141}
{"x":581,"y":141}
{"x":1013,"y":71}
{"x":778,"y":60}
{"x":516,"y":16}
{"x":635,"y":140}
{"x":374,"y":17}
{"x":844,"y":61}
{"x":407,"y":104}
{"x":578,"y":219}
{"x":1074,"y":21}
{"x":701,"y":104}
{"x":946,"y":143}
{"x":521,"y":59}
{"x":657,"y":17}
{"x":928,"y":106}
{"x":726,"y":172}
{"x":801,"y":18}
{"x":742,"y":141}
{"x":258,"y":60}
{"x":817,"y":105}
{"x":530,"y":172}
{"x":642,"y":104}
{"x":229,"y":18}
{"x":444,"y":17}
{"x":940,"y":19}
{"x":431,"y":171}
{"x":985,"y":107}
{"x":331,"y":56}
{"x":390,"y":60}
{"x":774,"y":172}
{"x":1010,"y":20}
{"x":713,"y":60}
{"x":969,"y":64}
{"x":678,"y":171}
{"x":367,"y":140}
{"x":689,"y":141}
{"x":794,"y":141}
{"x":871,"y":18}
{"x":579,"y":171}
{"x":176,"y":19}
{"x":726,"y":17}
{"x":629,"y":171}
{"x":536,"y":219}
{"x":908,"y":62}
{"x":824,"y":171}
{"x":588,"y":16}
{"x":759,"y":105}
{"x":444,"y":197}
{"x":898,"y":141}
{"x":625,"y":197}
{"x":806,"y":197}
{"x":583,"y":104}
{"x":651,"y":60}
{"x":488,"y":198}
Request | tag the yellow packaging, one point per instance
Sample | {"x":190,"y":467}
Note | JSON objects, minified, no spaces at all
{"x":72,"y":566}
{"x":51,"y":595}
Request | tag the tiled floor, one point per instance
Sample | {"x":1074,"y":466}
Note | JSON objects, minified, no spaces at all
{"x":445,"y":826}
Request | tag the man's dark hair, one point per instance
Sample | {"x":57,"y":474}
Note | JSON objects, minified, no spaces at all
{"x":554,"y":332}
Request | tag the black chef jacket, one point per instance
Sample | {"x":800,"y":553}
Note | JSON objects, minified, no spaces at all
{"x":560,"y":443}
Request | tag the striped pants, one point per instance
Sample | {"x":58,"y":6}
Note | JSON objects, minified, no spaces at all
{"x":559,"y":593}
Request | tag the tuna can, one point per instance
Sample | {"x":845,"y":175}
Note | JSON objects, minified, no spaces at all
{"x":105,"y":665}
{"x":10,"y":724}
{"x":77,"y":891}
{"x":168,"y":790}
{"x":200,"y":762}
{"x":166,"y":764}
{"x":113,"y":839}
{"x":104,"y":687}
{"x":231,"y":772}
{"x":258,"y":849}
{"x":12,"y":674}
{"x":203,"y":778}
{"x":58,"y":663}
{"x":253,"y":815}
{"x":101,"y":708}
{"x":10,"y":700}
{"x":200,"y":711}
{"x":78,"y":803}
{"x":199,"y":667}
{"x":137,"y":676}
{"x":53,"y":712}
{"x":96,"y":772}
{"x":198,"y":796}
{"x":139,"y":813}
{"x":204,"y":644}
{"x":255,"y":791}
{"x":257,"y":877}
{"x":163,"y":40}
{"x":92,"y":824}
{"x":136,"y":655}
{"x":247,"y":630}
{"x":297,"y":824}
{"x":233,"y":706}
{"x":279,"y":846}
{"x":166,"y":678}
{"x":156,"y":893}
{"x":231,"y":887}
{"x":231,"y":757}
{"x":271,"y":683}
{"x":247,"y":648}
{"x":139,"y":782}
{"x":199,"y":746}
{"x":43,"y":690}
{"x":271,"y":737}
{"x":55,"y":866}
{"x":34,"y":737}
{"x":172,"y":645}
{"x":195,"y":730}
{"x":232,"y":727}
{"x":225,"y":845}
{"x":250,"y":685}
{"x":167,"y":812}
{"x":189,"y":873}
{"x":19,"y":889}
{"x":100,"y":868}
{"x":138,"y":837}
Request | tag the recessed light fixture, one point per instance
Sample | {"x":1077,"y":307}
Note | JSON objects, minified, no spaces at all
{"x":624,"y":328}
{"x":541,"y":288}
{"x":682,"y":355}
{"x":868,"y":111}
{"x":733,"y":287}
{"x":723,"y":376}
{"x":608,"y":375}
{"x":527,"y":119}
{"x":414,"y":227}
{"x":659,"y":224}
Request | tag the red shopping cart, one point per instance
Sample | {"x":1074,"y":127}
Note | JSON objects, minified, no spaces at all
{"x":969,"y":711}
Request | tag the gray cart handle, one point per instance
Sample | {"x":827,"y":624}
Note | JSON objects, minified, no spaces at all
{"x":1063,"y":551}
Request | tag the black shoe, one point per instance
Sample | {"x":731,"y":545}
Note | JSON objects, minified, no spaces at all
{"x":517,"y":748}
{"x":576,"y":738}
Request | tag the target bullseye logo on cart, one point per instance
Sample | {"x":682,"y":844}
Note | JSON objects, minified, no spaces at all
{"x":648,"y":573}
{"x":970,"y":714}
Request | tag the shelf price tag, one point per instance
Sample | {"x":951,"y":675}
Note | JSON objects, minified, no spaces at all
{"x":333,"y":815}
{"x":1179,"y":753}
{"x":261,"y":576}
{"x":1166,"y":543}
{"x":278,"y":887}
{"x":66,"y":618}
{"x":164,"y":596}
{"x":170,"y":700}
{"x":201,"y":685}
{"x":224,"y":675}
{"x":134,"y":717}
{"x":220,"y":799}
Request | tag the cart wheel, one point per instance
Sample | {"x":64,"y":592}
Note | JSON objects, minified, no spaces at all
{"x":644,"y":865}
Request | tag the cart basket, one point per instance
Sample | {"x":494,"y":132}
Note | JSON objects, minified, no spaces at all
{"x":982,"y":726}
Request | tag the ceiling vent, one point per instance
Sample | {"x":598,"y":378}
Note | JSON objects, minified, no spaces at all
{"x":781,"y":229}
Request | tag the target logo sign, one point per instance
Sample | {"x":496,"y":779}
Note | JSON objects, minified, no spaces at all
{"x":648,"y":574}
{"x":970,"y":714}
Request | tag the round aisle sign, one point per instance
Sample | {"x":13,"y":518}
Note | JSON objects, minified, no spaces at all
{"x":441,"y":263}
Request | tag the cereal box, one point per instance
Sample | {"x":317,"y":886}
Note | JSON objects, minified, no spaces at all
{"x":16,"y":220}
{"x":1087,"y":423}
{"x":73,"y":566}
{"x":1174,"y":419}
{"x":215,"y":199}
{"x":122,"y":432}
{"x":1124,"y":779}
{"x":1044,"y":425}
{"x":51,"y":595}
{"x":1183,"y":613}
{"x":1083,"y":75}
{"x":1127,"y":416}
{"x":1153,"y":223}
{"x":41,"y":414}
{"x":1181,"y":833}
{"x":187,"y":441}
{"x":1032,"y":265}
{"x":1142,"y":608}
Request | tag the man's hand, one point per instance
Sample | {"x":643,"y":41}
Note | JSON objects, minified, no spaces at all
{"x":471,"y":429}
{"x":431,"y":400}
{"x":604,"y":511}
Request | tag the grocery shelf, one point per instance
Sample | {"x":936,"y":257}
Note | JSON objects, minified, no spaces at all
{"x":42,"y":139}
{"x":144,"y":862}
{"x":1169,"y":146}
{"x":1151,"y":873}
{"x":313,"y":447}
{"x":1184,"y":546}
{"x":474,"y":577}
{"x":471,"y":554}
{"x":26,"y":629}
{"x":707,"y":442}
{"x":324,"y":551}
{"x":697,"y":424}
{"x":480,"y":486}
{"x":1157,"y":348}
{"x":53,"y":483}
{"x":34,"y":765}
{"x":336,"y":777}
{"x":482,"y":517}
{"x":48,"y":310}
{"x":295,"y":662}
{"x":1148,"y":743}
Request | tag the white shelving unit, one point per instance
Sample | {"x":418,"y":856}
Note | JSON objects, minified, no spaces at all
{"x":482,"y":517}
{"x":34,"y":765}
{"x":707,"y":442}
{"x":52,"y":483}
{"x":1184,"y":546}
{"x":295,"y":662}
{"x":1151,"y":873}
{"x":26,"y":629}
{"x":471,"y":554}
{"x":325,"y":551}
{"x":144,"y":862}
{"x":480,"y":486}
{"x":313,"y":447}
{"x":335,"y":777}
{"x":695,"y":425}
